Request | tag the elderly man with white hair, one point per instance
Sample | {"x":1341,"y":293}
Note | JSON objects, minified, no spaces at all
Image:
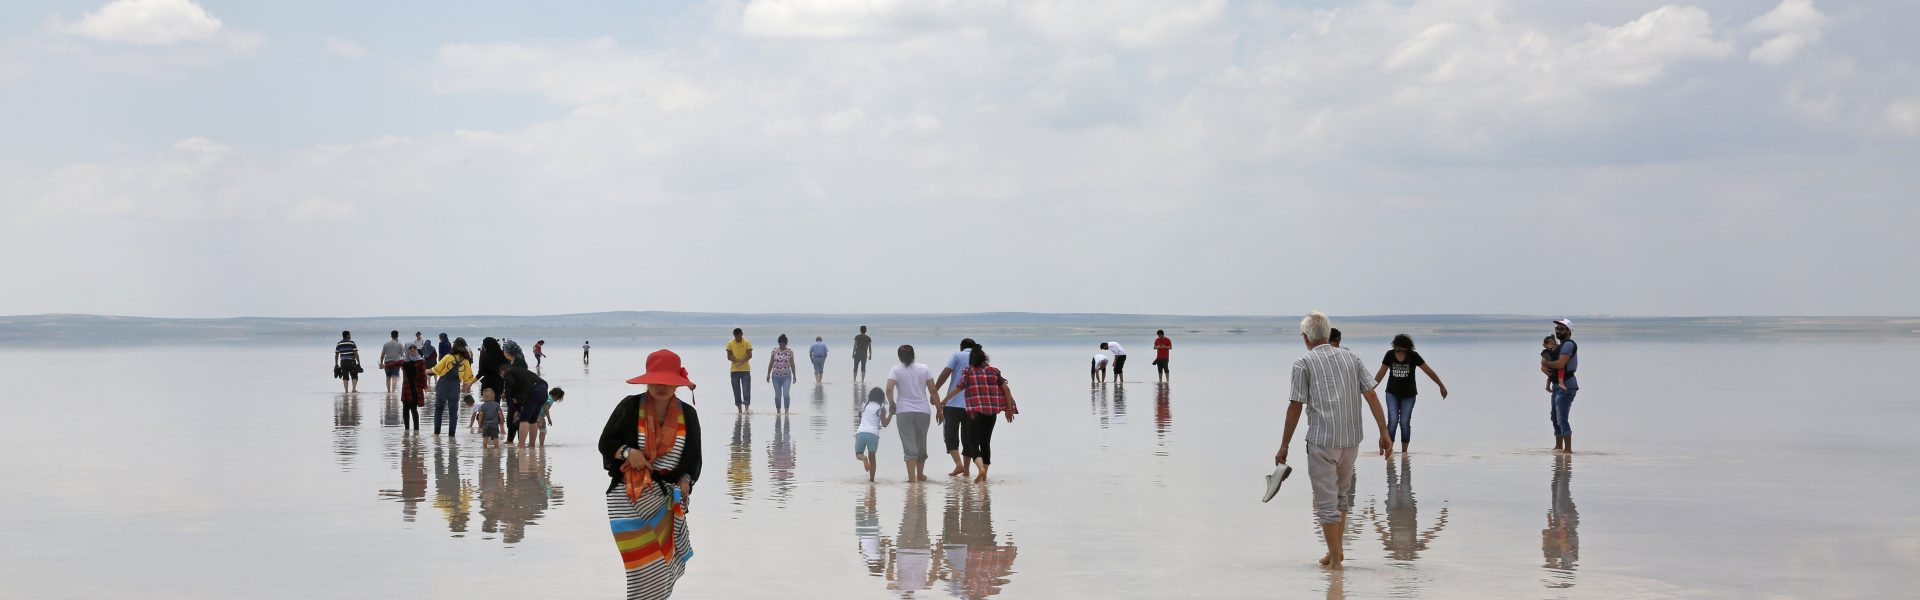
{"x":1328,"y":384}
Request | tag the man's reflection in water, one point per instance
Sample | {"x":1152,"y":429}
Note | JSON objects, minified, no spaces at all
{"x":1097,"y":403}
{"x":1560,"y":541}
{"x":818,"y":420}
{"x":413,"y":478}
{"x":451,"y":495}
{"x":390,"y":412}
{"x":740,"y":460}
{"x":1400,"y":530}
{"x":1119,"y":402}
{"x":866,"y":531}
{"x":1162,"y":414}
{"x":780,"y":459}
{"x":516,"y":496}
{"x":973,"y":564}
{"x":346,"y":429}
{"x":913,"y":556}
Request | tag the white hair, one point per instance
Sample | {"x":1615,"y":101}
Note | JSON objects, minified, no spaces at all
{"x":1316,"y":327}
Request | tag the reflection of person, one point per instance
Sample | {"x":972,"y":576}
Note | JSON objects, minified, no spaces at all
{"x":413,"y":479}
{"x":912,"y":555}
{"x":740,"y":459}
{"x":866,"y":530}
{"x":1396,"y":369}
{"x":1163,"y":412}
{"x":1566,"y":362}
{"x":451,"y":495}
{"x":975,"y":565}
{"x":780,"y":458}
{"x":1560,"y":541}
{"x":651,"y":450}
{"x":1328,"y":384}
{"x":1401,"y":533}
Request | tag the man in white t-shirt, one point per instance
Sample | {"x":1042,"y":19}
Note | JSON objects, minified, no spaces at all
{"x":1119,"y":359}
{"x":909,"y":390}
{"x":1099,"y":373}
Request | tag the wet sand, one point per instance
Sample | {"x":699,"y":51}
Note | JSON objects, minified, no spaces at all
{"x":1730,"y":470}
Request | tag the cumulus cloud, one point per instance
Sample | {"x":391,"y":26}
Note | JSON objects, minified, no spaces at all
{"x":155,"y":22}
{"x":1795,"y":24}
{"x":346,"y":49}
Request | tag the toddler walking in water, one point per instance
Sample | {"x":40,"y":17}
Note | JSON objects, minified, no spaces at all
{"x":873,"y":418}
{"x":490,"y":418}
{"x":1550,"y":351}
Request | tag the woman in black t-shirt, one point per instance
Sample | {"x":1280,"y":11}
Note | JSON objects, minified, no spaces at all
{"x":1396,"y":368}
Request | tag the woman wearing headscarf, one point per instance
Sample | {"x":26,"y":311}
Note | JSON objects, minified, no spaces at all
{"x":651,"y":450}
{"x":489,"y":364}
{"x":455,"y":371}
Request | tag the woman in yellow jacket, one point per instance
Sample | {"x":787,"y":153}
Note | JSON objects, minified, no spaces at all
{"x":446,"y":394}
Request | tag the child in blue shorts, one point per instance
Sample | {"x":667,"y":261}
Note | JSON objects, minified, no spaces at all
{"x":873,"y":418}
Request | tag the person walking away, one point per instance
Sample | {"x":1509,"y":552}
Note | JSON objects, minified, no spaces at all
{"x":1162,"y":348}
{"x":780,"y":373}
{"x":413,"y":388}
{"x":487,"y":366}
{"x":455,"y":371}
{"x":651,"y":450}
{"x":910,"y":393}
{"x":546,"y":412}
{"x":586,"y":351}
{"x":987,"y":396}
{"x":1565,"y":365}
{"x":526,"y":396}
{"x":346,"y":363}
{"x":391,"y":353}
{"x":1396,"y":368}
{"x":430,"y":355}
{"x":1098,"y":373}
{"x":1119,"y":360}
{"x":862,"y":350}
{"x":740,"y":356}
{"x":953,"y":413}
{"x":866,"y":439}
{"x":1328,"y":384}
{"x":819,"y":355}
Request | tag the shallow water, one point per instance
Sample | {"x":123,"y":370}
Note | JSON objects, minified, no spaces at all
{"x":1727,"y":470}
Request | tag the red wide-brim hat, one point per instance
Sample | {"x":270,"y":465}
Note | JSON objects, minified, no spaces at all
{"x":663,"y":367}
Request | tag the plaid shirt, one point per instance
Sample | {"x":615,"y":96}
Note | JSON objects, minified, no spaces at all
{"x":984,"y":394}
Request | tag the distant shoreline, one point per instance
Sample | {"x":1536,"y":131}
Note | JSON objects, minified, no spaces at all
{"x":66,"y":329}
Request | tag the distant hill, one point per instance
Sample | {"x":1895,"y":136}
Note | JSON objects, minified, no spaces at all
{"x":66,"y":329}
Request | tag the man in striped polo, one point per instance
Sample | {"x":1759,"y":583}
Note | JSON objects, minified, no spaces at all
{"x":1328,"y":384}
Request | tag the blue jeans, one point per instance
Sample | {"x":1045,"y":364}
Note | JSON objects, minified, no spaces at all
{"x":1562,"y":404}
{"x":1400,"y":418}
{"x":742,"y":388}
{"x":782,"y":392}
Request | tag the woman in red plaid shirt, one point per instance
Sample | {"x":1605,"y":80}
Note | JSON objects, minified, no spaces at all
{"x":987,"y":397}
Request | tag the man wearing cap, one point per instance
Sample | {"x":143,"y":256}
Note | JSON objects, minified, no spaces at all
{"x":1328,"y":384}
{"x":1567,"y":362}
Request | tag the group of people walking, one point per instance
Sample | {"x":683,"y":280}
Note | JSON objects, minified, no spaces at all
{"x":516,"y":403}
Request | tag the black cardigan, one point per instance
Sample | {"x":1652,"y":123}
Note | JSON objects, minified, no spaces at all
{"x":623,"y":429}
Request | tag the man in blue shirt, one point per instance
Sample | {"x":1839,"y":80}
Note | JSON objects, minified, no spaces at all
{"x":953,"y":416}
{"x":819,"y":355}
{"x":1568,"y":362}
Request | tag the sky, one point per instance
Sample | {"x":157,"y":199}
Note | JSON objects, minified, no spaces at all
{"x":1593,"y":157}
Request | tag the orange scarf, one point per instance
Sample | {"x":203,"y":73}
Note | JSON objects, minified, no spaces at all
{"x":653,"y":448}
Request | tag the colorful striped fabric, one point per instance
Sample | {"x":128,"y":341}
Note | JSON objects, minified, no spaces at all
{"x":651,"y":532}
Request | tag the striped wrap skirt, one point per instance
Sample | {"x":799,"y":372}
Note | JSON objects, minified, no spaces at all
{"x":642,"y":531}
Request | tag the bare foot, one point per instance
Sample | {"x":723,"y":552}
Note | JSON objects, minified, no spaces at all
{"x":1332,"y":561}
{"x":981,"y":479}
{"x":923,"y":477}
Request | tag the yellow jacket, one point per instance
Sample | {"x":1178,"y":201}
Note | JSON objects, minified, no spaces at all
{"x":447,"y":365}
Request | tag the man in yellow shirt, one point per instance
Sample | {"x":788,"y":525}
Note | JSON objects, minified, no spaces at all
{"x":740,"y":354}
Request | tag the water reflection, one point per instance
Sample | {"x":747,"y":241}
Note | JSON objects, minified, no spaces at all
{"x":1119,"y":402}
{"x":1399,"y":528}
{"x":1560,"y":541}
{"x":1162,"y":416}
{"x":818,"y":420}
{"x":1098,"y":404}
{"x":413,"y":478}
{"x":740,"y":461}
{"x":781,"y":460}
{"x":390,"y":412}
{"x":516,"y":495}
{"x":866,"y":531}
{"x":346,"y":429}
{"x":913,"y":555}
{"x":972,"y":562}
{"x":453,"y":496}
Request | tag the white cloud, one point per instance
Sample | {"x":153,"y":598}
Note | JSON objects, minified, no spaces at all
{"x":1797,"y":25}
{"x":843,"y":19}
{"x":346,"y":49}
{"x":147,"y":22}
{"x":1904,"y":116}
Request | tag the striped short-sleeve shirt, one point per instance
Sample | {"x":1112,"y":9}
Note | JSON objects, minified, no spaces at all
{"x":1331,"y":381}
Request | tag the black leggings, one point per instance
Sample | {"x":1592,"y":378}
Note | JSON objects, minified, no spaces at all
{"x":979,"y":437}
{"x":955,"y":419}
{"x":409,"y":415}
